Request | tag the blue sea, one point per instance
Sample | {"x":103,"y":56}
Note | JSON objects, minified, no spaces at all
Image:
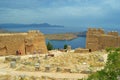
{"x":75,"y":43}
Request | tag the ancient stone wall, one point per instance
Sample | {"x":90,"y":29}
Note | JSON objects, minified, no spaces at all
{"x":30,"y":42}
{"x":81,"y":50}
{"x":35,"y":42}
{"x":97,"y":39}
{"x":118,"y":40}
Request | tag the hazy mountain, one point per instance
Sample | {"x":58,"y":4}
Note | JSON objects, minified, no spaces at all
{"x":29,"y":25}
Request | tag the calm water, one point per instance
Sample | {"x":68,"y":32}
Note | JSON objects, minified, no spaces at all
{"x":75,"y":43}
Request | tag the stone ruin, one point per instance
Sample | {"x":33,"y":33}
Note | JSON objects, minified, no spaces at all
{"x":97,"y":39}
{"x":81,"y":50}
{"x":30,"y":42}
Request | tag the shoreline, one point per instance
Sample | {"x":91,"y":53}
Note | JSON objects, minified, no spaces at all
{"x":64,"y":36}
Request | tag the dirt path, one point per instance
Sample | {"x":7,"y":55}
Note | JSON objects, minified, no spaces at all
{"x":53,"y":75}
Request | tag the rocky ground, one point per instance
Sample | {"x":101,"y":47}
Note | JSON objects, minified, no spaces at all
{"x":56,"y":66}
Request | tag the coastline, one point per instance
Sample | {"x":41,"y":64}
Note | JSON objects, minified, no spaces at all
{"x":60,"y":36}
{"x":64,"y":36}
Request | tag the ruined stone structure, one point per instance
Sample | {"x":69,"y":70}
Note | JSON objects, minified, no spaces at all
{"x":97,"y":39}
{"x":30,"y":42}
{"x":81,"y":50}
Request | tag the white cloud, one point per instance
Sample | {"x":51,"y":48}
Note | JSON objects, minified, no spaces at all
{"x":114,"y":4}
{"x":65,"y":12}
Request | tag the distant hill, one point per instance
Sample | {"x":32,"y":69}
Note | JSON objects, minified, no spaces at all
{"x":3,"y":31}
{"x":29,"y":25}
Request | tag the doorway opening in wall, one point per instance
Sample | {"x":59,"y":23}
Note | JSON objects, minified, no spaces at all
{"x":90,"y":50}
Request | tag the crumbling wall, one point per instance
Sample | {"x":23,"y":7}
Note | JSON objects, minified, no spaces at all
{"x":92,"y":39}
{"x":97,"y":39}
{"x":25,"y":42}
{"x":108,"y":41}
{"x":80,"y":50}
{"x":118,"y":40}
{"x":12,"y":43}
{"x":36,"y":42}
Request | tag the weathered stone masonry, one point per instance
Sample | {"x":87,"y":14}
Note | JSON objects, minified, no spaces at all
{"x":30,"y":42}
{"x":97,"y":39}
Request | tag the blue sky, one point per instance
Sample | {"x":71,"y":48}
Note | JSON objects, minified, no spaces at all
{"x":61,"y":12}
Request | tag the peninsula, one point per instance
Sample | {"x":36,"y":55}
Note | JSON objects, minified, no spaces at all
{"x":65,"y":36}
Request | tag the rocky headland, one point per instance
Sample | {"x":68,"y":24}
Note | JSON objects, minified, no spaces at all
{"x":65,"y":36}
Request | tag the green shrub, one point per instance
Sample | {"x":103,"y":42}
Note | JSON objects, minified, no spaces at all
{"x":65,"y":46}
{"x":117,"y":49}
{"x":49,"y":46}
{"x":112,"y":68}
{"x":110,"y":49}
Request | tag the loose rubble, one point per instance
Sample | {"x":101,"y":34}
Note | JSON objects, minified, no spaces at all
{"x":61,"y":62}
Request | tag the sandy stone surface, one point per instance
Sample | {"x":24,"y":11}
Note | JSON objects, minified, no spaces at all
{"x":71,"y":65}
